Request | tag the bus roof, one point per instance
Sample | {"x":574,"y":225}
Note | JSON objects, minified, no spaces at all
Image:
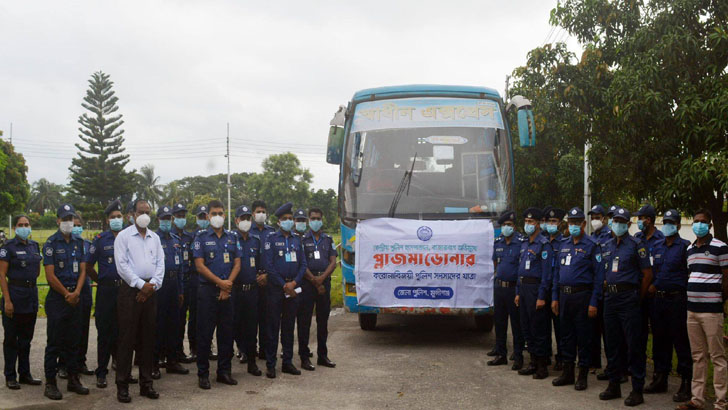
{"x":418,"y":89}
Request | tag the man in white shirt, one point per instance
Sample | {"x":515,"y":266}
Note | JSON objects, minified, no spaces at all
{"x":140,"y":263}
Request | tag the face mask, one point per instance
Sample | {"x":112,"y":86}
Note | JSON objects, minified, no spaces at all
{"x":507,"y":230}
{"x":669,"y":229}
{"x":131,"y":219}
{"x":287,"y":225}
{"x":619,"y":228}
{"x":552,"y":229}
{"x":203,"y":223}
{"x":641,"y":225}
{"x":77,"y":230}
{"x":217,"y":221}
{"x":66,"y":227}
{"x":22,"y":233}
{"x":116,"y":224}
{"x":180,"y":222}
{"x":544,"y":226}
{"x":316,"y":225}
{"x":143,"y":220}
{"x":301,"y":226}
{"x":597,"y":224}
{"x":529,"y":228}
{"x":260,"y":218}
{"x":165,"y":225}
{"x":701,"y":229}
{"x":575,"y":230}
{"x":609,"y":222}
{"x":244,"y":226}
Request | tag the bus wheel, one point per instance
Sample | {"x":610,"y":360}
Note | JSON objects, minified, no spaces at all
{"x":484,"y":323}
{"x":368,"y":321}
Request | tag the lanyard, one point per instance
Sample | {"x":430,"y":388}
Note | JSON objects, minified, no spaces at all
{"x":315,"y":242}
{"x":287,"y":249}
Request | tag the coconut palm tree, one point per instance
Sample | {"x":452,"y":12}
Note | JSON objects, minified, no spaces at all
{"x":148,"y":186}
{"x":45,"y":196}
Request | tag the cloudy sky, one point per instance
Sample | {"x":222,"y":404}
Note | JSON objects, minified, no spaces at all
{"x":276,"y":71}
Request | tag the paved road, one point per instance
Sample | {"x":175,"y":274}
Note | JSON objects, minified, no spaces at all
{"x":408,"y":363}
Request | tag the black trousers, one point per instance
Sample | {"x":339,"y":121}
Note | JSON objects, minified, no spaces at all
{"x":281,"y":320}
{"x":623,"y":319}
{"x":262,"y":317}
{"x":189,"y":304}
{"x":535,"y":323}
{"x":16,"y":344}
{"x":576,"y":327}
{"x":310,"y":298}
{"x":211,"y":314}
{"x":669,"y":329}
{"x":107,"y":326}
{"x":86,"y":307}
{"x":137,"y":326}
{"x":64,"y":335}
{"x":504,"y":307}
{"x":245,"y":320}
{"x":167,"y":320}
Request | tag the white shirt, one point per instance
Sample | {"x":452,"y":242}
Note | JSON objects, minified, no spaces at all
{"x":139,"y":259}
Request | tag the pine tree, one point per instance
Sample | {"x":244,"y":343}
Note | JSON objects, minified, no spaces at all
{"x":98,"y":174}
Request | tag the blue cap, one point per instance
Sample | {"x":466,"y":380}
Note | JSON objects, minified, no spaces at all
{"x":557,"y":213}
{"x":300,"y":214}
{"x":545,"y":212}
{"x":286,"y":208}
{"x":242,"y":210}
{"x":507,"y":216}
{"x":647,"y":210}
{"x":622,"y":213}
{"x":575,"y":213}
{"x":672,"y":215}
{"x":163,"y":211}
{"x":612,"y":209}
{"x":533,"y":213}
{"x":65,"y":210}
{"x":179,"y":208}
{"x":202,"y":209}
{"x":597,"y":209}
{"x":114,"y":206}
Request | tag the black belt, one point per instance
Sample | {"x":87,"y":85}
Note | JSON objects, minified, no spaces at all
{"x":568,"y":290}
{"x":621,"y":287}
{"x":505,"y":283}
{"x":245,"y":286}
{"x":21,"y":283}
{"x":110,"y":282}
{"x":530,"y":281}
{"x":289,"y":280}
{"x":170,"y":274}
{"x":317,"y":273}
{"x":70,"y":288}
{"x":668,"y":294}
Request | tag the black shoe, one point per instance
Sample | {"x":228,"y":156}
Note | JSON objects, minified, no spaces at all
{"x":149,"y":393}
{"x":132,"y":380}
{"x":517,"y":363}
{"x":213,"y":356}
{"x":261,"y":354}
{"x":602,"y":376}
{"x":122,"y":395}
{"x":290,"y":369}
{"x":567,"y":377}
{"x":613,"y":391}
{"x":492,"y":353}
{"x":528,"y":370}
{"x":85,"y":371}
{"x":176,"y":368}
{"x":307,"y":365}
{"x":162,"y":363}
{"x":270,"y":373}
{"x":204,"y":382}
{"x":62,"y":374}
{"x":156,"y":374}
{"x":28,"y":379}
{"x":581,"y":381}
{"x":658,"y":384}
{"x":253,"y":368}
{"x":101,"y":382}
{"x":12,"y":384}
{"x":243,"y":358}
{"x":685,"y":392}
{"x":51,"y":390}
{"x":634,"y":399}
{"x":226,"y":379}
{"x":74,"y":385}
{"x":497,"y":361}
{"x":183,"y":358}
{"x":325,"y":362}
{"x":310,"y":355}
{"x":542,"y":370}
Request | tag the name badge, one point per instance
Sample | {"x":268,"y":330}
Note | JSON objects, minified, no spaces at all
{"x":615,"y":265}
{"x":652,"y":261}
{"x":528,"y":264}
{"x":185,"y":255}
{"x":176,"y":259}
{"x":75,"y":266}
{"x":317,"y":255}
{"x":568,"y":260}
{"x":252,"y":262}
{"x":226,"y":257}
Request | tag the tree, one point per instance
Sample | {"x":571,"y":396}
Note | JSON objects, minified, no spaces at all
{"x":148,"y":185}
{"x":98,"y":174}
{"x":45,"y":196}
{"x":282,"y":180}
{"x":14,"y":189}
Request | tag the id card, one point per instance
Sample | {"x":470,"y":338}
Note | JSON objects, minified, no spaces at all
{"x":288,"y":257}
{"x":75,"y":266}
{"x":252,"y":261}
{"x":652,"y":261}
{"x":185,"y":255}
{"x":293,"y":256}
{"x":615,"y":265}
{"x":226,"y":257}
{"x":317,"y":255}
{"x":568,"y":260}
{"x":528,"y":264}
{"x":297,"y":290}
{"x":176,"y":259}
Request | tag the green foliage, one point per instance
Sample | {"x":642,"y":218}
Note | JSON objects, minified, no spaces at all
{"x":45,"y":196}
{"x":147,"y":186}
{"x":14,"y":189}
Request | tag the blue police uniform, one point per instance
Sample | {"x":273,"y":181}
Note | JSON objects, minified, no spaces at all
{"x":219,"y":255}
{"x":261,"y":233}
{"x":506,"y":253}
{"x":23,"y":258}
{"x":555,"y":240}
{"x":317,"y":251}
{"x":86,"y":307}
{"x":601,"y":236}
{"x":625,"y":257}
{"x":168,"y":298}
{"x":188,"y":310}
{"x":245,"y":293}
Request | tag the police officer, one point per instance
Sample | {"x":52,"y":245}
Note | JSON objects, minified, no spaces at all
{"x":203,"y":223}
{"x":534,"y":280}
{"x":598,"y":220}
{"x":544,"y":223}
{"x":506,"y":252}
{"x":245,"y":291}
{"x":169,"y":298}
{"x":601,"y":233}
{"x":578,"y":278}
{"x":217,"y":259}
{"x":86,"y":301}
{"x":65,"y":270}
{"x":628,"y":276}
{"x":321,"y":254}
{"x":261,"y":230}
{"x":285,"y":264}
{"x":19,"y":270}
{"x":300,"y":219}
{"x":553,"y":218}
{"x":189,"y":286}
{"x":668,"y":309}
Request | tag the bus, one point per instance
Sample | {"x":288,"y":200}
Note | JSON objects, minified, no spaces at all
{"x":425,"y":152}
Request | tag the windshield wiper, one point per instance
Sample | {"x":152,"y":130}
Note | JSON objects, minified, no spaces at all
{"x":404,"y":183}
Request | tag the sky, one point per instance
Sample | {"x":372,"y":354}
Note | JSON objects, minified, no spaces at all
{"x":275,"y":71}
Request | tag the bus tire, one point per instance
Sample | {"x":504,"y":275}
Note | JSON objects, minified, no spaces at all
{"x":484,"y":323}
{"x":367,"y":321}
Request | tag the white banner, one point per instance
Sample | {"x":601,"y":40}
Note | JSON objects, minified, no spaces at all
{"x":413,"y":263}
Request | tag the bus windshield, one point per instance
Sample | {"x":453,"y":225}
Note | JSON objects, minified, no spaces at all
{"x":456,"y":163}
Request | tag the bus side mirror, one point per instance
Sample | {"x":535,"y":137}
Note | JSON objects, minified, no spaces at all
{"x":335,"y":144}
{"x":526,"y":123}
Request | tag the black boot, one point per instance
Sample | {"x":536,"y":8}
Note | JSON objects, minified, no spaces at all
{"x":517,"y":363}
{"x":51,"y":390}
{"x":634,"y":399}
{"x":253,"y":367}
{"x":614,"y":391}
{"x":684,"y":393}
{"x":542,"y":370}
{"x":530,"y":369}
{"x":581,"y":381}
{"x":658,"y":384}
{"x":74,"y":385}
{"x":567,"y":377}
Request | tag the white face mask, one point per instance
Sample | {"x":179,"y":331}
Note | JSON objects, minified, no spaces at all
{"x":597,"y":224}
{"x":143,"y":220}
{"x":260,"y":218}
{"x":66,"y":227}
{"x":217,"y":221}
{"x":244,"y":226}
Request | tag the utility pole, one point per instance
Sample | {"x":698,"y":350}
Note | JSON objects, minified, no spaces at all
{"x":587,"y":190}
{"x":11,"y":133}
{"x":230,"y":210}
{"x":10,"y":217}
{"x":505,"y":95}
